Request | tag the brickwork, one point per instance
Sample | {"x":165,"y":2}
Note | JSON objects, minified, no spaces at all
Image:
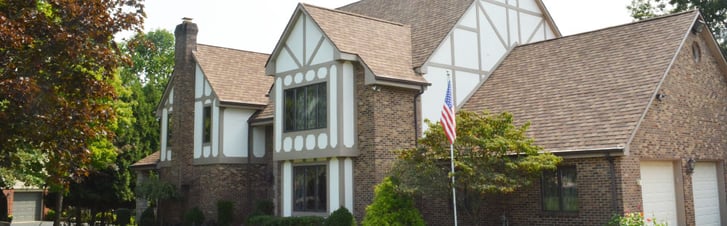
{"x":9,"y":195}
{"x":688,"y":123}
{"x":203,"y":186}
{"x":385,"y":123}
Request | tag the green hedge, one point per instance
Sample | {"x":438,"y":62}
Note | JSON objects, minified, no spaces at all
{"x":266,"y":220}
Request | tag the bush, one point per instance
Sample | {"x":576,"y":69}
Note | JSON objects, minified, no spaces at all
{"x":340,"y":217}
{"x":147,"y":217}
{"x":267,"y":220}
{"x":633,"y":219}
{"x":225,"y":212}
{"x":194,"y":217}
{"x":391,"y":207}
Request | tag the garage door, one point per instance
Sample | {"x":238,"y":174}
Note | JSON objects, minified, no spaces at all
{"x":706,"y":194}
{"x":657,"y":191}
{"x":26,"y":206}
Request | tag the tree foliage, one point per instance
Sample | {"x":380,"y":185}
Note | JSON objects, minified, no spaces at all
{"x":492,"y":156}
{"x":713,"y":11}
{"x":391,"y":206}
{"x":57,"y":59}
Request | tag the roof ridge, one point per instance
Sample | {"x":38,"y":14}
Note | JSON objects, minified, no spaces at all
{"x":355,"y":15}
{"x":660,"y":17}
{"x":233,"y":49}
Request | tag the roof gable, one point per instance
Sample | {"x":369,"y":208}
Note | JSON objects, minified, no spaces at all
{"x":430,"y":20}
{"x":236,"y":76}
{"x":587,"y":91}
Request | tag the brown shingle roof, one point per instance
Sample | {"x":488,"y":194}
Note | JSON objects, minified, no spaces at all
{"x":586,"y":91}
{"x":149,"y":160}
{"x":430,"y":20}
{"x":385,"y":47}
{"x":235,"y":76}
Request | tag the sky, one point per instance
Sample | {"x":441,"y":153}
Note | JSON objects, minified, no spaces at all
{"x":256,"y":25}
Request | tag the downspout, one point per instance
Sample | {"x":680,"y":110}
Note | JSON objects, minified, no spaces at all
{"x":612,"y":172}
{"x":416,"y":119}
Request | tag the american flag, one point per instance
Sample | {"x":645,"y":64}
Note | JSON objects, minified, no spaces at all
{"x":448,"y":118}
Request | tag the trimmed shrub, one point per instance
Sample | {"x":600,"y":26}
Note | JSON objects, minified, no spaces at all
{"x":340,"y":217}
{"x":391,"y":207}
{"x":267,"y":220}
{"x":225,"y":211}
{"x":194,"y":217}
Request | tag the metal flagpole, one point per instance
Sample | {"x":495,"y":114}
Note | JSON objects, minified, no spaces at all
{"x":454,"y":195}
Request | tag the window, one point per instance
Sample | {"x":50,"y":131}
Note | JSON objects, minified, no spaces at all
{"x":207,"y":124}
{"x":309,"y":188}
{"x":170,"y":126}
{"x":559,"y":190}
{"x":696,"y":52}
{"x":305,"y":107}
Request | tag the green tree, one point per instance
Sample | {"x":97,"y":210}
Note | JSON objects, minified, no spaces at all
{"x":391,"y":206}
{"x":713,"y":11}
{"x":492,"y":157}
{"x":58,"y":57}
{"x":137,"y":134}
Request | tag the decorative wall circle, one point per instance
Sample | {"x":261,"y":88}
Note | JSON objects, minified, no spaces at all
{"x":298,"y":78}
{"x":322,"y":72}
{"x":310,"y":142}
{"x":298,"y":143}
{"x":310,"y":75}
{"x":288,"y":80}
{"x":322,"y":140}
{"x":287,"y":144}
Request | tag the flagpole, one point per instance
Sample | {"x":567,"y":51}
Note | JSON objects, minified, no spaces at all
{"x":454,"y":195}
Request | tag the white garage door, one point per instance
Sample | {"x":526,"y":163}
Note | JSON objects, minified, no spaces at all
{"x":657,"y":191}
{"x":706,"y":194}
{"x":26,"y":206}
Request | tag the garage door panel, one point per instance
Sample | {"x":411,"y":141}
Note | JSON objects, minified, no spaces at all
{"x":705,"y":188}
{"x":658,"y":191}
{"x":26,"y":206}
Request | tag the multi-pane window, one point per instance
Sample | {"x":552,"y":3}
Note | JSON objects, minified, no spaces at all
{"x":207,"y":124}
{"x":305,"y":107}
{"x":560,"y":190}
{"x":309,"y":188}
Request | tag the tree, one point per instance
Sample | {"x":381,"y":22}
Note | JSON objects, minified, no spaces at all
{"x":391,"y":206}
{"x":58,"y":57}
{"x":137,"y":134}
{"x":492,"y":157}
{"x":713,"y":11}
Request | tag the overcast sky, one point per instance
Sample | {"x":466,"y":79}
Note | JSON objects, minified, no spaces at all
{"x":256,"y":25}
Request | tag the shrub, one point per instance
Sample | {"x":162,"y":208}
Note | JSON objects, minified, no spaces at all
{"x":147,"y":217}
{"x":391,"y":207}
{"x":267,"y":220}
{"x":633,"y":219}
{"x":194,"y":217}
{"x":225,"y":212}
{"x":340,"y":217}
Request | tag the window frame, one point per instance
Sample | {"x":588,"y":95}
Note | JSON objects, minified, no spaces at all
{"x":559,"y":174}
{"x":297,"y":100}
{"x":320,"y":196}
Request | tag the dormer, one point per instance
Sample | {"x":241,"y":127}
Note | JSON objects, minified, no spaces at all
{"x":314,"y":67}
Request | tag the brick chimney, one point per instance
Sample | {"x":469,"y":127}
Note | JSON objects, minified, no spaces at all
{"x":180,"y":171}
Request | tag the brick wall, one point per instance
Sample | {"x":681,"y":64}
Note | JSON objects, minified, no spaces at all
{"x":385,"y":123}
{"x":688,"y":123}
{"x":203,"y":186}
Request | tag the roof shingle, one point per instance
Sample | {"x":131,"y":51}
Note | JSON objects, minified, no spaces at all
{"x":385,"y":47}
{"x":427,"y":31}
{"x":236,"y":76}
{"x":149,"y":160}
{"x":586,"y":91}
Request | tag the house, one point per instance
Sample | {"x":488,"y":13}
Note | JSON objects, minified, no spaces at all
{"x":311,"y":127}
{"x":637,"y":112}
{"x":25,"y":203}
